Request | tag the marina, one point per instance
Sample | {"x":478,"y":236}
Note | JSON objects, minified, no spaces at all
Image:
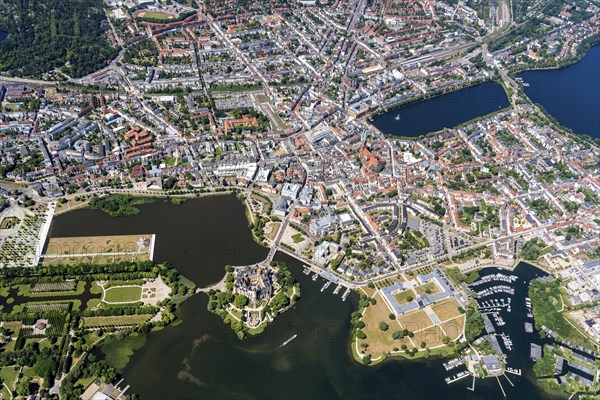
{"x":329,"y":279}
{"x":496,"y":289}
{"x":457,"y":377}
{"x":454,"y":363}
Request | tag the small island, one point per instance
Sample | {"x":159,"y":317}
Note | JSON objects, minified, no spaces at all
{"x":249,"y":297}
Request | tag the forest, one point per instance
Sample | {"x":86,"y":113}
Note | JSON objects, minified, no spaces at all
{"x":49,"y":34}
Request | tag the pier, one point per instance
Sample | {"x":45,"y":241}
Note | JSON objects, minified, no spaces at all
{"x":346,"y":293}
{"x":454,"y":363}
{"x":457,"y":377}
{"x":329,"y":278}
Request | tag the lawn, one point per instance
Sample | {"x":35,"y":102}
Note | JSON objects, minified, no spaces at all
{"x":402,"y":297}
{"x":427,"y":288}
{"x":415,"y":320}
{"x":432,"y":336}
{"x":8,"y":375}
{"x":92,"y":322}
{"x":454,"y":327}
{"x":85,"y":382}
{"x":155,"y":15}
{"x":92,"y":303}
{"x":95,"y":288}
{"x":4,"y":393}
{"x":379,"y":341}
{"x":298,"y":238}
{"x":123,"y":294}
{"x":118,"y":351}
{"x":446,"y":309}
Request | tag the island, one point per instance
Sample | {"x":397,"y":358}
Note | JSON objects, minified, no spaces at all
{"x":252,"y":296}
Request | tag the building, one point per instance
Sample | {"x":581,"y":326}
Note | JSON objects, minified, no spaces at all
{"x":254,"y":283}
{"x":323,"y":226}
{"x":290,"y":190}
{"x":492,"y":364}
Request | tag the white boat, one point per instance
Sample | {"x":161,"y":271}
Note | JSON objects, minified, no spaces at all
{"x":397,"y":117}
{"x":289,"y":340}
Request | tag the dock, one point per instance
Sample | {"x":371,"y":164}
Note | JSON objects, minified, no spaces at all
{"x":472,"y":388}
{"x":346,"y":293}
{"x":457,"y":377}
{"x":326,"y":285}
{"x":454,"y":363}
{"x":337,"y":289}
{"x":501,"y":388}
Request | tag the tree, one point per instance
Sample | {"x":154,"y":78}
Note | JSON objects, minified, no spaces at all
{"x":474,"y":324}
{"x":392,"y":316}
{"x":26,"y":387}
{"x":409,"y":298}
{"x":360,"y":335}
{"x":240,"y":301}
{"x":383,"y":326}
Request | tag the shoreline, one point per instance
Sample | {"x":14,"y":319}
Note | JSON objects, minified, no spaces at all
{"x":559,"y":66}
{"x":369,"y":119}
{"x":512,"y":73}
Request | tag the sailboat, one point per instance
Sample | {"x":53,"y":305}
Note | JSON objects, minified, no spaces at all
{"x":398,"y":117}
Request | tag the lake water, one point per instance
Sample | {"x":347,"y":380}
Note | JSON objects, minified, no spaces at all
{"x":444,"y":111}
{"x":202,"y":359}
{"x":570,"y":94}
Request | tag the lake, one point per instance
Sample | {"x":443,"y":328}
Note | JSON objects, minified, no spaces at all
{"x":443,"y":111}
{"x":201,"y":358}
{"x":570,"y":94}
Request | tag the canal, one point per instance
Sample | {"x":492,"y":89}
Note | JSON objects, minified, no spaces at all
{"x":200,"y":358}
{"x":443,"y":111}
{"x":570,"y":94}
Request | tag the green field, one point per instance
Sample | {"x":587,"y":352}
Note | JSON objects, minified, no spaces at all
{"x":298,"y":238}
{"x":402,"y":297}
{"x":92,"y":322}
{"x":123,"y":294}
{"x":155,"y":15}
{"x":8,"y":375}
